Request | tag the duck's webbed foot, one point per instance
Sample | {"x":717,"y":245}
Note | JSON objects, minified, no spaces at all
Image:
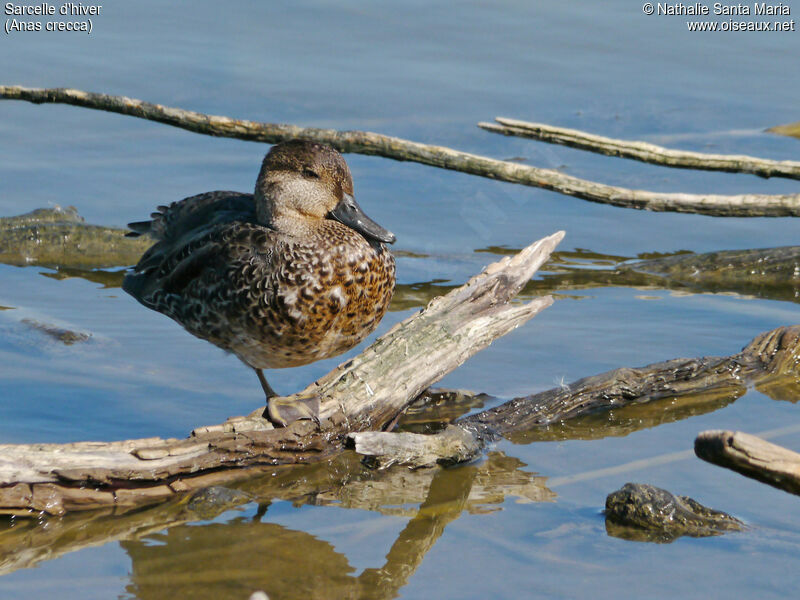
{"x":281,"y":411}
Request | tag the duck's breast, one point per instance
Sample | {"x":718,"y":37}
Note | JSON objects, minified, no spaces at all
{"x":318,"y":298}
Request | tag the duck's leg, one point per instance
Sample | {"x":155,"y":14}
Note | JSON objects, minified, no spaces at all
{"x":268,"y":391}
{"x":282,"y":411}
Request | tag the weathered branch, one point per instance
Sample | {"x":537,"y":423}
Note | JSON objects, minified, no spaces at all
{"x":643,"y":151}
{"x":752,"y":457}
{"x":365,"y":393}
{"x":768,"y":357}
{"x":362,"y":142}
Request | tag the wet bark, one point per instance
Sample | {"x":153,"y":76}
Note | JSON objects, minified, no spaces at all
{"x":646,"y":513}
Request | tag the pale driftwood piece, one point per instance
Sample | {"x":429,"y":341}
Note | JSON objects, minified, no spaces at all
{"x":342,"y":482}
{"x":365,"y":393}
{"x":752,"y":457}
{"x":363,"y":142}
{"x":643,"y":151}
{"x":454,"y":445}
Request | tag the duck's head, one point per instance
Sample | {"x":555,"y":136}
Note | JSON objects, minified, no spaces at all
{"x":301,"y":181}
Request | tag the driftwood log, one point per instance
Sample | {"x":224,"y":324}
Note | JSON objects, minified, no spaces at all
{"x":363,"y":142}
{"x":368,"y":392}
{"x":751,"y":456}
{"x":768,"y":363}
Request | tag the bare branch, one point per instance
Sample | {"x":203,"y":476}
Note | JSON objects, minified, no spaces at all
{"x":643,"y":151}
{"x":363,"y":142}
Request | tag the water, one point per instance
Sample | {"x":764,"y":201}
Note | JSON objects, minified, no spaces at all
{"x":427,"y":72}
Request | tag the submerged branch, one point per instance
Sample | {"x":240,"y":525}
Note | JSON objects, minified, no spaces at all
{"x":768,"y":362}
{"x":643,"y":151}
{"x":60,"y":239}
{"x":363,"y":142}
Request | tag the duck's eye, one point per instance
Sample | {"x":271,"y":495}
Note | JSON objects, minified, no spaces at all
{"x":310,"y":174}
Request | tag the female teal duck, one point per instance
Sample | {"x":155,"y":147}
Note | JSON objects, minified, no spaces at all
{"x":291,"y":274}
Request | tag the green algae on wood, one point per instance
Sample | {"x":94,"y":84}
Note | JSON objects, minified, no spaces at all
{"x":645,"y":513}
{"x":56,"y":236}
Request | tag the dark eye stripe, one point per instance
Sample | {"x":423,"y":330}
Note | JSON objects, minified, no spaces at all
{"x":310,"y":173}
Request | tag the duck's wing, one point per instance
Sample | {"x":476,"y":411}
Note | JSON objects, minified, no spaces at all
{"x":196,"y":265}
{"x":203,"y":211}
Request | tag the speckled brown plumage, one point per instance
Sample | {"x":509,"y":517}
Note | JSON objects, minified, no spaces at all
{"x":271,"y":277}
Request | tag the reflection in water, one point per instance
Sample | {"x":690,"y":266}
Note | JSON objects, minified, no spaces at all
{"x":246,"y":555}
{"x":784,"y":386}
{"x":628,"y":419}
{"x":107,"y":279}
{"x":171,"y":558}
{"x":233,"y":559}
{"x":434,"y":409}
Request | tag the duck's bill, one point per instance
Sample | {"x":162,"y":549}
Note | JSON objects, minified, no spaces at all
{"x":349,"y":213}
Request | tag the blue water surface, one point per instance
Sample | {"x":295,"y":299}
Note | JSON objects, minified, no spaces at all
{"x":429,"y":72}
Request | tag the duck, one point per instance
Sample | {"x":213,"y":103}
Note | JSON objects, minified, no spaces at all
{"x":294,"y":273}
